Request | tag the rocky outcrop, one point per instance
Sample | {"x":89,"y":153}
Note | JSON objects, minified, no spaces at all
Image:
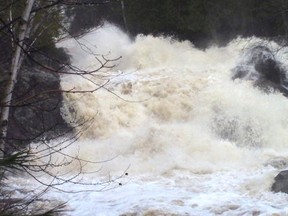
{"x":260,"y":66}
{"x":35,"y":113}
{"x":281,"y":182}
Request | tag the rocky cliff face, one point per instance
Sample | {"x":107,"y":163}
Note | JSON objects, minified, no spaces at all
{"x":35,"y":113}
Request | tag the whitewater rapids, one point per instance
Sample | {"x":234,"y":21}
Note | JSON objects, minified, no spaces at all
{"x":194,"y":141}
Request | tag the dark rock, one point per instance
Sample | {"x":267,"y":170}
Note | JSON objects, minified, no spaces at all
{"x":36,"y":113}
{"x":281,"y":182}
{"x":260,"y":65}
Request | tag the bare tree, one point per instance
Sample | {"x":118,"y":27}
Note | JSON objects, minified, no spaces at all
{"x":13,"y":72}
{"x":43,"y":157}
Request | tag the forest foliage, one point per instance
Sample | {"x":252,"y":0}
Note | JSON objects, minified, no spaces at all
{"x":200,"y":21}
{"x":203,"y":21}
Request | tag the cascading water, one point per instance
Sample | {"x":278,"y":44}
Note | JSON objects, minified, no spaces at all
{"x":196,"y":141}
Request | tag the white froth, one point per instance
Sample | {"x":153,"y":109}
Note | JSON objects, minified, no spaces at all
{"x":195,"y":141}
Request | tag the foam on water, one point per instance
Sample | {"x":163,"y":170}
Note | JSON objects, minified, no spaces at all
{"x":178,"y":102}
{"x":195,"y":141}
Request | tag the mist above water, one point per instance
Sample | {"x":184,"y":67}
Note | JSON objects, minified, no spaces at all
{"x":169,"y":105}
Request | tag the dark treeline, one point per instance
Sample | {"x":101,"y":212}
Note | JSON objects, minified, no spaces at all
{"x":201,"y":21}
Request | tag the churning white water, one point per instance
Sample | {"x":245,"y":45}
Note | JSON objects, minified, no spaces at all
{"x":194,"y":141}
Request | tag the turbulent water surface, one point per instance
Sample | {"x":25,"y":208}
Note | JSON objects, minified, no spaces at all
{"x":192,"y":140}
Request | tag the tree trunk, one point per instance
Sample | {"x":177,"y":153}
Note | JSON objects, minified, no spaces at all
{"x":124,"y":16}
{"x":15,"y":65}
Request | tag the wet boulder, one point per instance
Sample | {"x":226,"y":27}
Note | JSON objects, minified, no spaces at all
{"x":260,"y":65}
{"x":281,"y":182}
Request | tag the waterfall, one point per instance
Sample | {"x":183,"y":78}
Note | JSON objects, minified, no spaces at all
{"x":195,"y":140}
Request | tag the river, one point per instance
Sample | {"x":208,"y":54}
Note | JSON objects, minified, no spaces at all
{"x":184,"y":138}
